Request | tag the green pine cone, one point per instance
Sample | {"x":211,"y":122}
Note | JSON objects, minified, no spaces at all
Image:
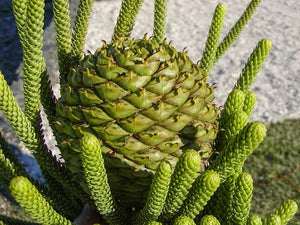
{"x":146,"y":102}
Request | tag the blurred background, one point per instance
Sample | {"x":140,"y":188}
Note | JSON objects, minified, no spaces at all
{"x":275,"y":165}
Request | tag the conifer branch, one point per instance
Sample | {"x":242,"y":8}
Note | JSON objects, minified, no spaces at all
{"x":184,"y":220}
{"x":209,"y":220}
{"x":61,"y":13}
{"x":232,"y":118}
{"x":272,"y":220}
{"x":20,"y":13}
{"x":11,"y":168}
{"x":160,"y":17}
{"x":33,"y":61}
{"x":254,"y":220}
{"x":249,"y":103}
{"x":234,"y":124}
{"x":96,"y":177}
{"x":212,"y":41}
{"x":234,"y":103}
{"x":80,"y":29}
{"x":220,"y":203}
{"x":126,"y":18}
{"x":34,"y":70}
{"x":59,"y":199}
{"x":236,"y":29}
{"x":203,"y":188}
{"x":185,"y":173}
{"x":156,"y":197}
{"x":234,"y":155}
{"x":16,"y":117}
{"x":34,"y":143}
{"x":253,"y":65}
{"x":9,"y":155}
{"x":7,"y":170}
{"x":286,"y":211}
{"x":242,"y":197}
{"x":33,"y":202}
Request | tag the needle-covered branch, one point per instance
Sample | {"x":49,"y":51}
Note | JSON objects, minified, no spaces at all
{"x":209,"y":220}
{"x":31,"y":139}
{"x":234,"y":155}
{"x":80,"y":29}
{"x":284,"y":213}
{"x":184,"y":175}
{"x":61,"y":13}
{"x":212,"y":41}
{"x":236,"y":29}
{"x":33,"y":61}
{"x":160,"y":17}
{"x":254,"y":220}
{"x":203,"y":188}
{"x":241,"y":201}
{"x":97,"y":181}
{"x":156,"y":197}
{"x":126,"y":18}
{"x":33,"y":202}
{"x":184,"y":220}
{"x":253,"y":65}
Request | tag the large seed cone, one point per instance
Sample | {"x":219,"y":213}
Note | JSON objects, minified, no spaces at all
{"x":146,"y":102}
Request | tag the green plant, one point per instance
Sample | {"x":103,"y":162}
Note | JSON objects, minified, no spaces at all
{"x":274,"y":167}
{"x":134,"y":110}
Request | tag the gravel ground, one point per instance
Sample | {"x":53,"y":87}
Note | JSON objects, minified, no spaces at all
{"x":277,"y":86}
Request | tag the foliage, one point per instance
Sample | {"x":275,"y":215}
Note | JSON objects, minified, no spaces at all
{"x":275,"y":168}
{"x":190,"y":193}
